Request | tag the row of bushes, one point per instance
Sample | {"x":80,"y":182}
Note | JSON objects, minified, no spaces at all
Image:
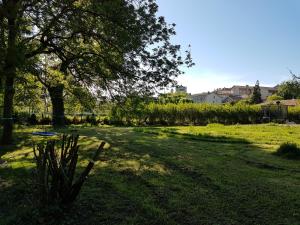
{"x":194,"y":114}
{"x":294,"y":114}
{"x":167,"y":114}
{"x":187,"y":113}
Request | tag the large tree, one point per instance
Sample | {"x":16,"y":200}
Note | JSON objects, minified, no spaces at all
{"x":117,"y":46}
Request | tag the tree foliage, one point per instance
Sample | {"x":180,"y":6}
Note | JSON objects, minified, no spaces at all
{"x":274,"y":97}
{"x":174,"y":98}
{"x":256,"y":95}
{"x":289,"y":89}
{"x":29,"y":94}
{"x":118,"y":46}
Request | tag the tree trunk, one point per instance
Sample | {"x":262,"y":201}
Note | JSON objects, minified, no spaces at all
{"x":8,"y":111}
{"x":9,"y":73}
{"x":58,"y":110}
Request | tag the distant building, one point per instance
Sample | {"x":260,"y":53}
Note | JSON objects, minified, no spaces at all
{"x":223,"y":91}
{"x":181,"y":89}
{"x":232,"y":98}
{"x":267,"y":91}
{"x":246,"y":91}
{"x":208,"y":98}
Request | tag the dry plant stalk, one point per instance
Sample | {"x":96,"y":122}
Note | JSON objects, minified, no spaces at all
{"x":56,"y":170}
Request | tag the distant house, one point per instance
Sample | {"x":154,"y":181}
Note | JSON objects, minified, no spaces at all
{"x":243,"y":91}
{"x":233,"y":94}
{"x":223,"y":91}
{"x":267,"y":91}
{"x":207,"y":98}
{"x":246,"y":91}
{"x":232,"y":98}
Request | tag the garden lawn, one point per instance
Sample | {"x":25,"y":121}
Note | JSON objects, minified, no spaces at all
{"x":166,"y":175}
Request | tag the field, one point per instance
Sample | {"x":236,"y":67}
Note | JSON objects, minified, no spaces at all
{"x":190,"y":175}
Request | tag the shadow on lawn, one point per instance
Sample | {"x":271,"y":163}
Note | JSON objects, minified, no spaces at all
{"x":203,"y":137}
{"x":162,"y":178}
{"x":20,"y":139}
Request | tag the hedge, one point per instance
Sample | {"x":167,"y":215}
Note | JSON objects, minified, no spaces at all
{"x":188,"y":114}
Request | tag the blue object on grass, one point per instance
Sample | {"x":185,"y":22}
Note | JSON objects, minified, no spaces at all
{"x":44,"y":133}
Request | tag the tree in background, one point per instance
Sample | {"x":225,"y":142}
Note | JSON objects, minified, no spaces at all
{"x":28,"y":96}
{"x":174,"y":98}
{"x":79,"y":99}
{"x":289,"y":89}
{"x":256,"y":95}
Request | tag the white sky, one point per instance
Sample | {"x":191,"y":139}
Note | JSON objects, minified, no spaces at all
{"x":209,"y":81}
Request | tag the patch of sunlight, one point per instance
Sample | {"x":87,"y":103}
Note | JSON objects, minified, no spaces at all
{"x":92,"y":142}
{"x":102,"y":164}
{"x":162,"y":136}
{"x":140,"y":165}
{"x":23,"y":152}
{"x":146,"y":157}
{"x":130,"y":164}
{"x":159,"y":168}
{"x":286,"y":182}
{"x":20,"y":164}
{"x":114,"y":149}
{"x":266,"y":147}
{"x":5,"y":183}
{"x":41,"y":139}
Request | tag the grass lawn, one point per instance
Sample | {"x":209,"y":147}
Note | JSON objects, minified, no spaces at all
{"x":167,"y":175}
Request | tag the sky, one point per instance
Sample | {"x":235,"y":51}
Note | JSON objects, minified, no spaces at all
{"x":236,"y":42}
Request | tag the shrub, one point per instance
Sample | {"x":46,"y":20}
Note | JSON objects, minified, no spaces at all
{"x":106,"y":121}
{"x":45,"y":121}
{"x":288,"y":150}
{"x":56,"y":175}
{"x":32,"y":120}
{"x":21,"y":118}
{"x":294,"y":114}
{"x":92,"y":119}
{"x":274,"y":98}
{"x":76,"y":120}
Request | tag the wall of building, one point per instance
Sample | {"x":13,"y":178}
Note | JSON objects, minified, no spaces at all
{"x":213,"y":98}
{"x":266,"y":92}
{"x":207,"y":98}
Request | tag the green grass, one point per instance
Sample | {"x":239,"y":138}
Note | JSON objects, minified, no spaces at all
{"x":168,"y":175}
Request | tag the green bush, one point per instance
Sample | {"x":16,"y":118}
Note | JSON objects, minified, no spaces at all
{"x":132,"y":111}
{"x":21,"y":118}
{"x":76,"y":120}
{"x":45,"y":121}
{"x":288,"y":150}
{"x":32,"y":120}
{"x":274,"y":98}
{"x":294,"y":114}
{"x":187,"y":114}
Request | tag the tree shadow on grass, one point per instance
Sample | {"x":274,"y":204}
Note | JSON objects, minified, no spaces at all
{"x":172,"y":131}
{"x":154,"y":178}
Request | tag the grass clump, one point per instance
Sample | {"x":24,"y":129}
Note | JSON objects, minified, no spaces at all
{"x":288,"y":150}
